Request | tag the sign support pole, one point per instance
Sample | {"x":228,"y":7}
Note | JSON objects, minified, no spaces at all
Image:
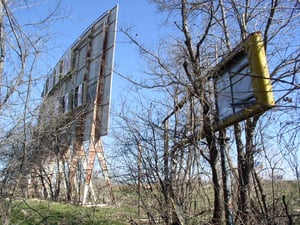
{"x":226,"y":179}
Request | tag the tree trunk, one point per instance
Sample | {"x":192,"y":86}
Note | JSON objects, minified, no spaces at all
{"x":213,"y":153}
{"x":243,"y":177}
{"x":245,"y":167}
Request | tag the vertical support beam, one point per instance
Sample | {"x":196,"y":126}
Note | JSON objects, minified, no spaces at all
{"x":1,"y":47}
{"x":89,"y":170}
{"x":167,"y":180}
{"x":226,"y":179}
{"x":96,"y":150}
{"x":102,"y":162}
{"x":139,"y":162}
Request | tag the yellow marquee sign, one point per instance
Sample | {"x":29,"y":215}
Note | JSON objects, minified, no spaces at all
{"x":243,"y":85}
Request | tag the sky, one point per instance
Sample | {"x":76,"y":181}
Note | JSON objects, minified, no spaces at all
{"x":140,"y":16}
{"x":136,"y":14}
{"x":79,"y":15}
{"x":76,"y":16}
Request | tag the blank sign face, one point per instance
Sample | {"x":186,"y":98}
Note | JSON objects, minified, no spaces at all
{"x":234,"y":87}
{"x":224,"y":96}
{"x":242,"y":83}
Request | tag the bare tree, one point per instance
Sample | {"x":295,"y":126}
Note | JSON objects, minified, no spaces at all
{"x":21,"y":49}
{"x":208,"y":31}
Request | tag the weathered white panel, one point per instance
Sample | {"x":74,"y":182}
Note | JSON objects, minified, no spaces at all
{"x":94,"y":70}
{"x":66,"y":62}
{"x":81,"y":58}
{"x":56,"y":73}
{"x":97,"y":45}
{"x":224,"y":96}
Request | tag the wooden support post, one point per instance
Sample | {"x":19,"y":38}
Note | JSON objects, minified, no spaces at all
{"x":226,"y":179}
{"x":96,"y":150}
{"x":102,"y":162}
{"x":2,"y":45}
{"x":139,"y":162}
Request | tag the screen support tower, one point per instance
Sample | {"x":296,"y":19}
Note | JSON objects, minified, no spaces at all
{"x":74,"y":115}
{"x":87,"y":159}
{"x":96,"y":150}
{"x":95,"y":142}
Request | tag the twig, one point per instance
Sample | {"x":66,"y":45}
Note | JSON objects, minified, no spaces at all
{"x":287,"y":211}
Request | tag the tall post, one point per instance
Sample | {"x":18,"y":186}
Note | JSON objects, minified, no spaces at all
{"x":226,"y":179}
{"x":96,"y":149}
{"x":167,"y":173}
{"x":1,"y":47}
{"x":139,"y":159}
{"x":89,"y":170}
{"x":104,"y":167}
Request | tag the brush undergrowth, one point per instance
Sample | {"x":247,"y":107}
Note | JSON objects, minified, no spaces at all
{"x":32,"y":212}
